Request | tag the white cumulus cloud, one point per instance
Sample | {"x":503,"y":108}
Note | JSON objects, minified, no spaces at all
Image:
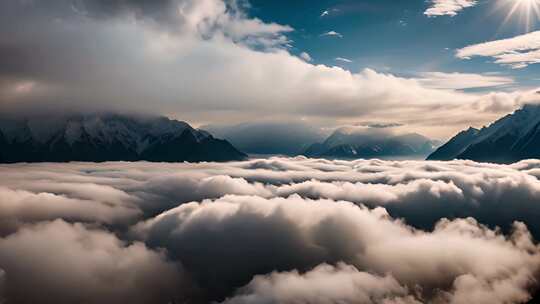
{"x":448,"y":7}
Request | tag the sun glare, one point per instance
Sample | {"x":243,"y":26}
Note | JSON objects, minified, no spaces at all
{"x":528,"y":11}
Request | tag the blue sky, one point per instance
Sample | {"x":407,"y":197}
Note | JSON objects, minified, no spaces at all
{"x":396,"y":36}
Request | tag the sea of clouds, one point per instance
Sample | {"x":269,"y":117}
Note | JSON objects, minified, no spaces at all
{"x":278,"y":230}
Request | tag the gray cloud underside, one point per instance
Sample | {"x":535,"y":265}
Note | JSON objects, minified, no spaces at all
{"x":271,"y":231}
{"x":74,"y":264}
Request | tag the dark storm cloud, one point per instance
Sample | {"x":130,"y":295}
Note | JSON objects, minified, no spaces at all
{"x":244,"y":231}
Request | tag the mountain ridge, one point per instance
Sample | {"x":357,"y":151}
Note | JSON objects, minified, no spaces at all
{"x":110,"y":137}
{"x":371,"y":143}
{"x":509,"y":139}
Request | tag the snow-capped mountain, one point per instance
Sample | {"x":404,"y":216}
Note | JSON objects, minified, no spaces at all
{"x":370,"y":143}
{"x":109,"y":137}
{"x":509,"y":139}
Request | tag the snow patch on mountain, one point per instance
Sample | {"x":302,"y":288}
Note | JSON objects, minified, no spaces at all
{"x":511,"y":138}
{"x":104,"y":136}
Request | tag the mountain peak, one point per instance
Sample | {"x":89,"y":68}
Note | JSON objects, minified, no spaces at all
{"x":368,"y":143}
{"x":513,"y":137}
{"x":471,"y":130}
{"x":110,"y":136}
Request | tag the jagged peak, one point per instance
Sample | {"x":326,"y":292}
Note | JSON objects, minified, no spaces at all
{"x":110,"y":136}
{"x":510,"y":132}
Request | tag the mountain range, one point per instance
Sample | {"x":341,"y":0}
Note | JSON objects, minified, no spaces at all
{"x":371,"y":142}
{"x":109,"y":137}
{"x":117,"y":137}
{"x":512,"y":138}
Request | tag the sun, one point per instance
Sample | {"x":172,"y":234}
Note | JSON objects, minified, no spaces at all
{"x":528,"y":11}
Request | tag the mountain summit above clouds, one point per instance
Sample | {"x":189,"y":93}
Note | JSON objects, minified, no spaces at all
{"x":109,"y":137}
{"x":512,"y":138}
{"x":371,"y":142}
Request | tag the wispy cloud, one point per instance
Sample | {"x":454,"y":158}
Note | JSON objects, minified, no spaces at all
{"x":332,"y":33}
{"x":329,"y":11}
{"x":458,"y":81}
{"x":516,"y":52}
{"x":343,"y":59}
{"x":448,"y":7}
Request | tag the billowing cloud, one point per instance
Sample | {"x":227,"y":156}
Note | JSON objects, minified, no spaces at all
{"x":414,"y":231}
{"x":448,"y":7}
{"x":257,"y":235}
{"x":324,"y":284}
{"x":185,"y":47}
{"x":18,"y":206}
{"x":516,"y":52}
{"x":421,"y":192}
{"x":57,"y":262}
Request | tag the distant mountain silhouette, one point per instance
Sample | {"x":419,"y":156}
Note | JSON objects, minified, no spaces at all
{"x":109,"y":137}
{"x":346,"y":144}
{"x":512,"y":138}
{"x":287,"y":138}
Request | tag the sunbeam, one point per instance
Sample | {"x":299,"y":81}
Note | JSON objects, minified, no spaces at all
{"x":528,"y":12}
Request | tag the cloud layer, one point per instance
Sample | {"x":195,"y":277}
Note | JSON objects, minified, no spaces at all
{"x":271,"y":231}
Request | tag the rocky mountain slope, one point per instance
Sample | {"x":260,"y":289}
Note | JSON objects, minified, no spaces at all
{"x":512,"y":138}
